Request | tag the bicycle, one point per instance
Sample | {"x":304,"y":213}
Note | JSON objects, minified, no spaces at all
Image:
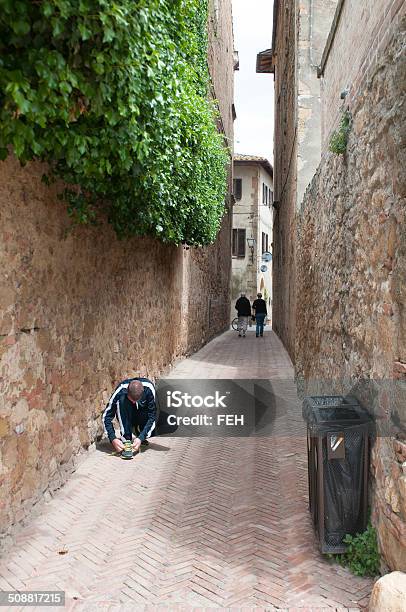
{"x":234,"y":323}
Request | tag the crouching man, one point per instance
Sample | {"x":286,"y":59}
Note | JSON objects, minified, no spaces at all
{"x":133,"y":404}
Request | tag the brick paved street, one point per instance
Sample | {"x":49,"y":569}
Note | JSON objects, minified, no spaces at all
{"x":191,"y":523}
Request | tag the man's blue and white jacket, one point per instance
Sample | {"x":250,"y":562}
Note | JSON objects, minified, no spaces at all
{"x":142,"y":414}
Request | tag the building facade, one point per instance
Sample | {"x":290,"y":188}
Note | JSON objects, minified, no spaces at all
{"x":340,"y":223}
{"x":252,"y":228}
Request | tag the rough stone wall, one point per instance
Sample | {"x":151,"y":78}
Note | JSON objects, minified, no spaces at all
{"x":351,"y":271}
{"x":78,"y":312}
{"x":221,"y":62}
{"x":81,"y":310}
{"x":285,"y":175}
{"x":363,"y":29}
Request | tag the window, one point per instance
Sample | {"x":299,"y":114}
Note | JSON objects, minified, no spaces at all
{"x":237,"y":188}
{"x":238,"y":242}
{"x":266,"y":243}
{"x":266,"y":195}
{"x":263,"y":243}
{"x":270,"y":198}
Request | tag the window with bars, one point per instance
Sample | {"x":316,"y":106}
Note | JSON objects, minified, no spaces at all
{"x":238,"y":243}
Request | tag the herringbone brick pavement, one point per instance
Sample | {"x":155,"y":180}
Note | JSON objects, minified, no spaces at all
{"x":192,"y":523}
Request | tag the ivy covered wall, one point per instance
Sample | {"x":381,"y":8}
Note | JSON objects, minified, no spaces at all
{"x":114,"y":96}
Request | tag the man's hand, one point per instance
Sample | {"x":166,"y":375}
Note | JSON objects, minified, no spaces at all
{"x":136,"y":444}
{"x":118,"y":445}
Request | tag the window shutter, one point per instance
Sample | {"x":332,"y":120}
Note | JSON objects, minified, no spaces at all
{"x":234,"y":246}
{"x":238,"y":188}
{"x":241,"y":243}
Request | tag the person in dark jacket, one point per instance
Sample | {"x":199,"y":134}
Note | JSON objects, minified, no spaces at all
{"x":133,"y":404}
{"x":243,"y":308}
{"x":260,"y":311}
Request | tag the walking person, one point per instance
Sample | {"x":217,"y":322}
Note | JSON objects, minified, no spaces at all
{"x":260,"y":312}
{"x":243,"y":308}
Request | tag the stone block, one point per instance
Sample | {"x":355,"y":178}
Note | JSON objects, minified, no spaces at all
{"x":389,"y":594}
{"x":400,"y":449}
{"x":399,"y":370}
{"x":4,"y":427}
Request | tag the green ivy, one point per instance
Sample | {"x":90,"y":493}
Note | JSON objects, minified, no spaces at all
{"x":115,"y":97}
{"x":339,"y":138}
{"x":362,"y":554}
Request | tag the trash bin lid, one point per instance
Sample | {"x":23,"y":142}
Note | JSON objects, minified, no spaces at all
{"x":335,"y":410}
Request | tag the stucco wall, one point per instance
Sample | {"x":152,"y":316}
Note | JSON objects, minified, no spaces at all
{"x":245,"y":216}
{"x":251,"y":214}
{"x":265,"y":225}
{"x":350,"y":275}
{"x":313,"y":23}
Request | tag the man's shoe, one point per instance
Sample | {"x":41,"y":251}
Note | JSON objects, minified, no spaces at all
{"x":127,"y":452}
{"x":256,"y":335}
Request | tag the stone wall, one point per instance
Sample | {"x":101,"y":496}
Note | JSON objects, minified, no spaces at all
{"x":221,"y":62}
{"x":350,"y":276}
{"x":80,"y":310}
{"x":285,"y":175}
{"x":363,"y":29}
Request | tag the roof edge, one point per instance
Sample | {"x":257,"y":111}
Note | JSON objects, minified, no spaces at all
{"x":254,"y":159}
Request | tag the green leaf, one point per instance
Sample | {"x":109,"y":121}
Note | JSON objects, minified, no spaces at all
{"x":21,"y":27}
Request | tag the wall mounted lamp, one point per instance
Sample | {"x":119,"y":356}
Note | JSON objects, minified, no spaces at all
{"x":251,"y":245}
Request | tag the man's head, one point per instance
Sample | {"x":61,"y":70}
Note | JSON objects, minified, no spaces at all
{"x":135,"y":391}
{"x":242,"y":293}
{"x":259,"y":295}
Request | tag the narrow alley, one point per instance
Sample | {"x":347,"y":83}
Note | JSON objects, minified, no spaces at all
{"x":192,"y":522}
{"x":173,"y":174}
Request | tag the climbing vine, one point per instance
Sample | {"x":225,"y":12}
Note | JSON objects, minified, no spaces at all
{"x":114,"y":96}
